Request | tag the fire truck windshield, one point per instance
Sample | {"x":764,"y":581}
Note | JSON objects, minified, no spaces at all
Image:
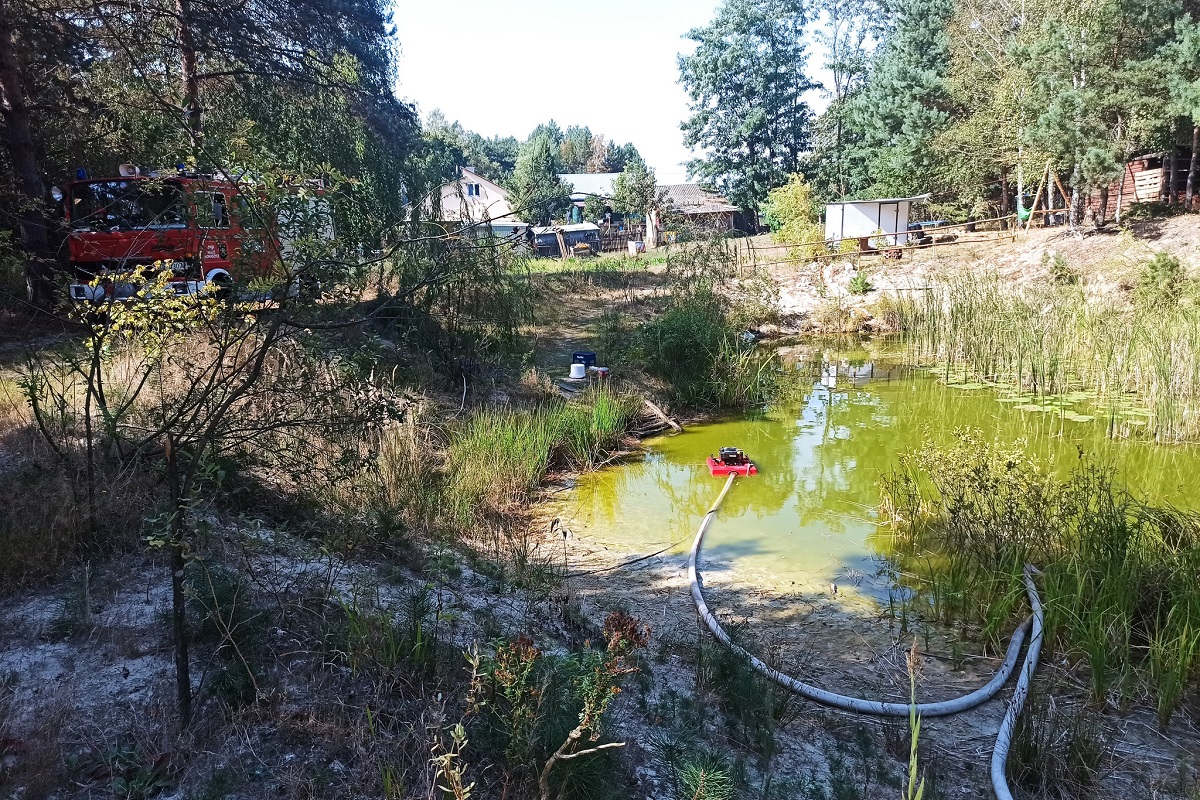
{"x":127,"y":205}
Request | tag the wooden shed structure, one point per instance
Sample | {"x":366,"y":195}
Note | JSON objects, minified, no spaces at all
{"x":1146,"y":179}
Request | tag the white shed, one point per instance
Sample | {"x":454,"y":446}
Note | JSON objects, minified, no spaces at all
{"x":855,"y":219}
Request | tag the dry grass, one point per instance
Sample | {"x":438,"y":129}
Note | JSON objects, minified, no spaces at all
{"x":44,"y":520}
{"x":31,"y":745}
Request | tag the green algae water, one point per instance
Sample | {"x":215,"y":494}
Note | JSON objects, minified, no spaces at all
{"x":808,"y":521}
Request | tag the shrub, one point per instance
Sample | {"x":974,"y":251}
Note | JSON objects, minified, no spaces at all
{"x":697,"y":349}
{"x":1150,"y":210}
{"x":539,"y":708}
{"x":1060,"y":271}
{"x":793,"y":217}
{"x":859,"y":284}
{"x":1161,"y":281}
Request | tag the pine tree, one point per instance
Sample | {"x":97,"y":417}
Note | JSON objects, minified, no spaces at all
{"x":904,"y":105}
{"x":747,"y":82}
{"x":1181,"y":64}
{"x":1093,"y":92}
{"x":538,"y":193}
{"x":576,"y":149}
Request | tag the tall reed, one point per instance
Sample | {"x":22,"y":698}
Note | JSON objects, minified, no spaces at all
{"x":1140,"y":360}
{"x":1119,"y":576}
{"x":501,"y":455}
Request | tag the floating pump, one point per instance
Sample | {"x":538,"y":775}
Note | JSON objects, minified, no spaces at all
{"x":731,"y":461}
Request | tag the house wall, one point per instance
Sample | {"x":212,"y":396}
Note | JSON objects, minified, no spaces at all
{"x":717,"y":221}
{"x":490,"y":203}
{"x":1144,"y":180}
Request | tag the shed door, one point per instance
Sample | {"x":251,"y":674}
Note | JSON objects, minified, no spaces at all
{"x":834,"y":229}
{"x":889,"y":216}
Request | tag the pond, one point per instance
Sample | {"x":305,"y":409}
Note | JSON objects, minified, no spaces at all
{"x":809,"y":519}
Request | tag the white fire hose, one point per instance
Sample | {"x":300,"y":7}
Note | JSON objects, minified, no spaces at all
{"x":882,"y":709}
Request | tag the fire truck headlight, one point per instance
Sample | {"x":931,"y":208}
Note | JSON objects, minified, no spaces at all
{"x":56,"y":193}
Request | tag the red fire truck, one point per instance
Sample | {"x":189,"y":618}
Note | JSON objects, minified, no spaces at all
{"x":200,"y":226}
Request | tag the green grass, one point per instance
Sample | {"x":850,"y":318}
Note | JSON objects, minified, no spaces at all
{"x":500,"y":456}
{"x":1119,"y":576}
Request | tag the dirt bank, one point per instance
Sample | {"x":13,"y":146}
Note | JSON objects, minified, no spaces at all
{"x":818,"y":296}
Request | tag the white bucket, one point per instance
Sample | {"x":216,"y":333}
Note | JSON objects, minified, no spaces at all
{"x":578,"y":371}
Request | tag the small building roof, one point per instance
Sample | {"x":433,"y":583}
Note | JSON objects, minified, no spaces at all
{"x":692,"y":198}
{"x":579,"y":226}
{"x":920,"y":198}
{"x":585,"y":183}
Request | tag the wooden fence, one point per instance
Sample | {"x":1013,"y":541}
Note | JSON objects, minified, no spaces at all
{"x":614,"y":240}
{"x":996,"y":229}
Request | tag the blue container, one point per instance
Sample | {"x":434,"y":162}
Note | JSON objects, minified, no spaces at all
{"x":585,"y":357}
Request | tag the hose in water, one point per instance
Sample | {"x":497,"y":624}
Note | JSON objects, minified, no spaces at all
{"x":882,"y":709}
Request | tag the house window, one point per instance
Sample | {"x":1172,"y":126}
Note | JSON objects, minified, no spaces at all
{"x":472,"y":190}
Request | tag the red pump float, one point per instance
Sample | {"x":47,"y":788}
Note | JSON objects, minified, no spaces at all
{"x":731,"y":461}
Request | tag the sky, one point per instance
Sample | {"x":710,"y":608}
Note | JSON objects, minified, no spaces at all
{"x":501,"y":67}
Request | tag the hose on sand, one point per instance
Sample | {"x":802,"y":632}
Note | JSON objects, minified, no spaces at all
{"x":884,"y":709}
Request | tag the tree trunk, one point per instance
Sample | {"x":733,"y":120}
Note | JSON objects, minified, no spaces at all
{"x":1078,"y":199}
{"x":1004,"y":205}
{"x":183,"y":674}
{"x":1121,"y":188}
{"x":1191,"y":176}
{"x":190,"y":80}
{"x":1048,"y":218}
{"x":1172,"y":194}
{"x":1020,"y":191}
{"x":31,"y":218}
{"x":1162,"y":178}
{"x":1102,"y":211}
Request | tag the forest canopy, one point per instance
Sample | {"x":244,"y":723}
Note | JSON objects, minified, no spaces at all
{"x":950,"y":97}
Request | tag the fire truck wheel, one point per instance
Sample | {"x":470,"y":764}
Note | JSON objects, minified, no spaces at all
{"x":224,"y":286}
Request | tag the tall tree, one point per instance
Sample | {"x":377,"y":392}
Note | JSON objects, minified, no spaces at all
{"x":494,"y":158}
{"x":538,"y":193}
{"x":1090,"y":93}
{"x":846,"y":36}
{"x":905,"y":103}
{"x":576,"y":149}
{"x":39,"y":55}
{"x":636,"y":192}
{"x":598,"y":158}
{"x":1181,"y":64}
{"x":747,"y":81}
{"x":621,"y":156}
{"x":989,"y":89}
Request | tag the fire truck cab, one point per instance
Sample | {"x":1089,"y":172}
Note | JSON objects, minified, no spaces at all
{"x":199,"y":226}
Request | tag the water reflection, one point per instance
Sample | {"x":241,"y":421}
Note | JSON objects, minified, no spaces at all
{"x":808,"y":519}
